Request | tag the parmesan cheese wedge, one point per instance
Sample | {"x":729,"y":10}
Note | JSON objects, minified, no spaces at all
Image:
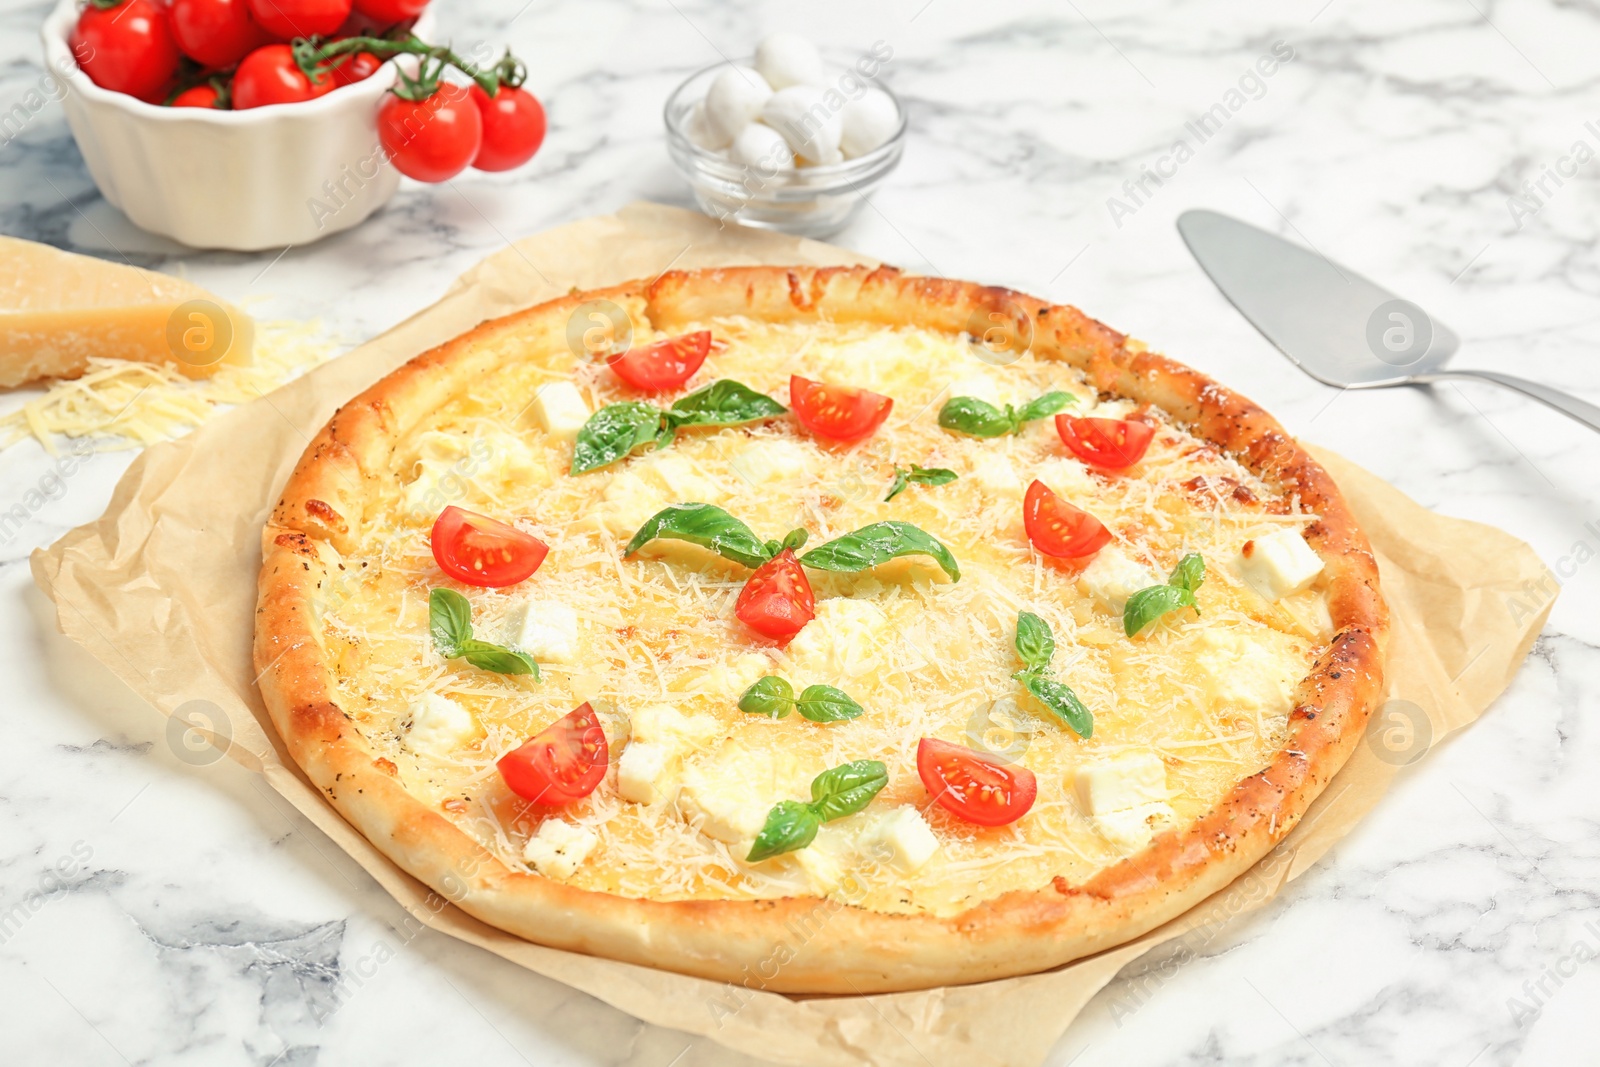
{"x":59,"y":309}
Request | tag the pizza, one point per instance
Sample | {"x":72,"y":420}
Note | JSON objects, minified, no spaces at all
{"x":818,"y":630}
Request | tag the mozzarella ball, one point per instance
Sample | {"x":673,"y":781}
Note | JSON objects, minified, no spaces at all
{"x":811,"y":127}
{"x":867,"y":122}
{"x":762,"y":148}
{"x":699,"y":132}
{"x":733,"y":101}
{"x":786,"y":59}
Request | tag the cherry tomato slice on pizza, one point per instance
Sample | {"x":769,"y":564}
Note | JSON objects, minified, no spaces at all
{"x":974,"y":788}
{"x":1056,"y":528}
{"x":1111,"y":444}
{"x":560,"y":764}
{"x":777,"y":601}
{"x":837,"y":412}
{"x":663,"y":365}
{"x":478,"y":550}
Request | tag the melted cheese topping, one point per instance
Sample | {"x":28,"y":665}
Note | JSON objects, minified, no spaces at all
{"x":1208,"y":695}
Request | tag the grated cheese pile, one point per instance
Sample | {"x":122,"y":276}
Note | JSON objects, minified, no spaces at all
{"x":121,"y":404}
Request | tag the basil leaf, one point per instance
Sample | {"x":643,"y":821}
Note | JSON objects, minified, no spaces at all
{"x":931,"y":475}
{"x":843,"y":790}
{"x":774,"y":697}
{"x":613,"y":432}
{"x":450,"y":621}
{"x":898,"y":486}
{"x":919,"y":476}
{"x":1061,"y":700}
{"x":1048,"y":404}
{"x":723,"y":403}
{"x":1035,"y":643}
{"x":1148,"y":605}
{"x":879,"y":543}
{"x":791,"y":541}
{"x":770,"y":696}
{"x":1035,"y":646}
{"x":790,"y":825}
{"x":969,"y":415}
{"x":491,"y":657}
{"x":616,"y":430}
{"x":705,"y":525}
{"x":1190,"y":573}
{"x":847,"y":788}
{"x":824,"y":703}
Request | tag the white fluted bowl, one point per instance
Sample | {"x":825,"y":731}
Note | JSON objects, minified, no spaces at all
{"x":242,"y":180}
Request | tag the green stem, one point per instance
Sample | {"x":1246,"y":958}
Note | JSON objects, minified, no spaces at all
{"x":312,"y":55}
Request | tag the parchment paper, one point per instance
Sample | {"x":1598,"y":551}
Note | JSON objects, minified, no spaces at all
{"x":162,"y":590}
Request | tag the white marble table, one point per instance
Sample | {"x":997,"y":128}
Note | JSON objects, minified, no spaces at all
{"x":154,"y":911}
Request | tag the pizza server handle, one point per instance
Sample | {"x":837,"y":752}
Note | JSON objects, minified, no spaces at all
{"x":1569,"y":405}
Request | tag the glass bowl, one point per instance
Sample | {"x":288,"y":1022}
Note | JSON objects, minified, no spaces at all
{"x":808,"y":202}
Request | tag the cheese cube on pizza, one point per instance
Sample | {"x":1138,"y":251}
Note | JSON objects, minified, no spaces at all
{"x":660,"y":737}
{"x":641,"y":769}
{"x":904,"y":835}
{"x":1131,"y":829}
{"x":1115,"y":783}
{"x":547,"y":630}
{"x":439,"y":725}
{"x":1280,"y":564}
{"x":560,"y":409}
{"x":1111,"y":578}
{"x":559,"y":848}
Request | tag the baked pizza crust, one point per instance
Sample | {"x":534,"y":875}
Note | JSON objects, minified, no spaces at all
{"x":813,"y":944}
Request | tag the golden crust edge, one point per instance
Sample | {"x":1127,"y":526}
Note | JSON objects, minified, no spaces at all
{"x":812,"y":944}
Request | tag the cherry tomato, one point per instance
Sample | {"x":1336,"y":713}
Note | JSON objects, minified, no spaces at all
{"x":777,"y":601}
{"x":1056,"y":528}
{"x":215,"y":33}
{"x":358,"y":67}
{"x":1108,"y":443}
{"x":269,"y":75}
{"x":478,"y":550}
{"x":663,"y":365}
{"x":389,"y":12}
{"x":199,"y":96}
{"x":288,"y":19}
{"x":560,"y":764}
{"x":128,"y":48}
{"x":973,"y":787}
{"x":513,"y":127}
{"x":837,"y":412}
{"x":431,"y":140}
